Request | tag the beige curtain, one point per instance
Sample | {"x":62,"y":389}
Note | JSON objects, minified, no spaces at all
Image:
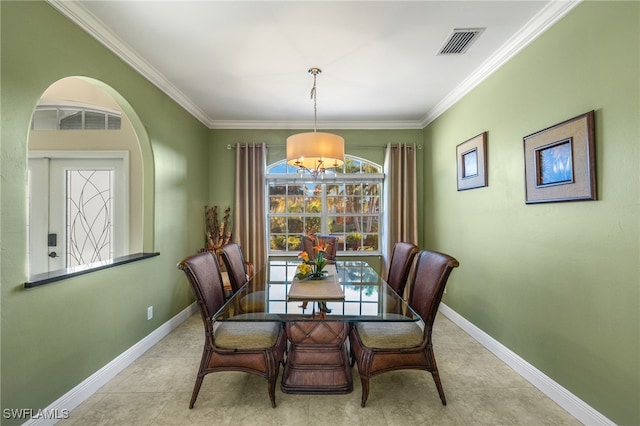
{"x":401,"y":197}
{"x":249,"y":214}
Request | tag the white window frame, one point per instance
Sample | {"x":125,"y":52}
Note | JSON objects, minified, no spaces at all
{"x":63,"y":109}
{"x":327,"y":178}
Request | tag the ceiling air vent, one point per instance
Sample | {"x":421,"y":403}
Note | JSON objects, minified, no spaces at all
{"x":460,"y":40}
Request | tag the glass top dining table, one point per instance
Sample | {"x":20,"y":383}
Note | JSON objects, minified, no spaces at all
{"x":268,"y":297}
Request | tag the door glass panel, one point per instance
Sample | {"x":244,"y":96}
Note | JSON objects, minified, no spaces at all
{"x":89,"y":216}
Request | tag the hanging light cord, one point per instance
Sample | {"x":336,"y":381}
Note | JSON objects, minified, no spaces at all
{"x":314,"y":72}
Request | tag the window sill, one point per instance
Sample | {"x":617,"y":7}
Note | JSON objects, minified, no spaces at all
{"x":62,"y":274}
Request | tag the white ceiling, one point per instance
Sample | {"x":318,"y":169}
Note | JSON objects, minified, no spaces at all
{"x":243,"y":64}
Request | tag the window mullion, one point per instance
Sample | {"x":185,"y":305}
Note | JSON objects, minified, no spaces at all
{"x":324,"y":213}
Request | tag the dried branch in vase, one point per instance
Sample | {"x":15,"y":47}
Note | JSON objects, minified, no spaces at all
{"x":217,"y":233}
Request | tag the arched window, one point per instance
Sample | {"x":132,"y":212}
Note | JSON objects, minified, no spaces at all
{"x":345,"y":203}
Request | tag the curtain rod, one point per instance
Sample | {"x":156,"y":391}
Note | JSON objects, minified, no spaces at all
{"x":229,"y":146}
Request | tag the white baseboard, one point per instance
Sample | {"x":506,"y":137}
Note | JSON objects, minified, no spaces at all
{"x":574,"y":405}
{"x":91,"y":384}
{"x":561,"y":396}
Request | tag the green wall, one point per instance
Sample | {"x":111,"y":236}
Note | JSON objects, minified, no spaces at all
{"x":55,"y":336}
{"x":556,"y":283}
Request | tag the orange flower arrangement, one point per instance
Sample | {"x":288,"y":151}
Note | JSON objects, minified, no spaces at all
{"x":313,"y":268}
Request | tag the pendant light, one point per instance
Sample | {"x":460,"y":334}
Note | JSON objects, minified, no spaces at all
{"x":315,"y":152}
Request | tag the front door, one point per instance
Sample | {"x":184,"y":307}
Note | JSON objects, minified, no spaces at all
{"x":78,"y":210}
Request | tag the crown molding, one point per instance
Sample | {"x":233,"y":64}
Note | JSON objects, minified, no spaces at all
{"x":333,"y":125}
{"x":90,"y":24}
{"x":547,"y":17}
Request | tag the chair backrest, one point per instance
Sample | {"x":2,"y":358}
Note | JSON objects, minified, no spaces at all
{"x":234,"y":261}
{"x":430,"y":275}
{"x":203,"y":273}
{"x":400,"y":265}
{"x":331,"y":243}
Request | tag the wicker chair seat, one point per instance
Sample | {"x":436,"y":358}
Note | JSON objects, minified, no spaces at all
{"x":246,"y":335}
{"x":388,"y":335}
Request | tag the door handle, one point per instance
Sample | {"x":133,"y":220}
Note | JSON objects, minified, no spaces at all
{"x":53,"y":254}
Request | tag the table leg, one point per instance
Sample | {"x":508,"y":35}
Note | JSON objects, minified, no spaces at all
{"x":317,"y":362}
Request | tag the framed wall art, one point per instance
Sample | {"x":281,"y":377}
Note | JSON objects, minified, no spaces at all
{"x":472,"y":162}
{"x":559,"y":162}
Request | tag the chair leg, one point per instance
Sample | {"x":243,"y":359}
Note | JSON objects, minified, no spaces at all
{"x":196,"y":389}
{"x":204,"y":363}
{"x":365,"y":390}
{"x":352,"y":355}
{"x":271,"y":384}
{"x":436,"y":376}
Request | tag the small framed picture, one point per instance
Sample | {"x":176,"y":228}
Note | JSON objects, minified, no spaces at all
{"x":472,"y":162}
{"x":559,"y":162}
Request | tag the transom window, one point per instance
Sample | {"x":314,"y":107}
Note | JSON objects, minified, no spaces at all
{"x":74,"y":116}
{"x":344,"y":203}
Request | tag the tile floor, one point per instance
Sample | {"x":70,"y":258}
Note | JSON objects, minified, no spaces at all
{"x":480,"y":390}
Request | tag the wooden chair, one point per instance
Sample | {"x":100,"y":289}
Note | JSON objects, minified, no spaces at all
{"x":380,"y":347}
{"x":400,"y":265}
{"x":240,"y":272}
{"x":252,"y":347}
